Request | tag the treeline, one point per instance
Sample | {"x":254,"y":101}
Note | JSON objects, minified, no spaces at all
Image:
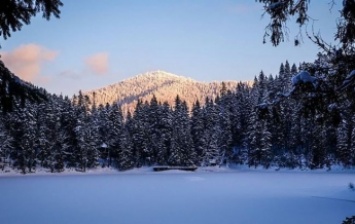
{"x":304,"y":122}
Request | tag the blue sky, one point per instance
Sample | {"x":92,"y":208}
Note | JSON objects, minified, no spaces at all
{"x":97,"y":43}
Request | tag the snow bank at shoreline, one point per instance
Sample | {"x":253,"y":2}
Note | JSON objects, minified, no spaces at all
{"x":149,"y":170}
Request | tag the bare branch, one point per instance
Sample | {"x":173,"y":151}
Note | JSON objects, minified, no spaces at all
{"x":331,"y":5}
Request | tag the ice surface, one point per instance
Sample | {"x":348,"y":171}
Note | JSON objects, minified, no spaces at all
{"x":227,"y":197}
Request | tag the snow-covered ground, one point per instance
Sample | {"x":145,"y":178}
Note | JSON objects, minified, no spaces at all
{"x":206,"y":196}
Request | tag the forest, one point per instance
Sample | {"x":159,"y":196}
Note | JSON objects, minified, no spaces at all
{"x":302,"y":117}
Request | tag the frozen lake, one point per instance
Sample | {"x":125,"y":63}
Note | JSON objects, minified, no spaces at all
{"x":181,"y":198}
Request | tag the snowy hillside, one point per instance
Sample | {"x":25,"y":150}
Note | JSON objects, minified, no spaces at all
{"x":165,"y":86}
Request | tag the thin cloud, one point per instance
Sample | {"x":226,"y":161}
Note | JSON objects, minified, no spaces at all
{"x":26,"y":61}
{"x":98,"y":63}
{"x":70,"y":74}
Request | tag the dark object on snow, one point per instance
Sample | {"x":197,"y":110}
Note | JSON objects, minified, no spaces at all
{"x":164,"y":168}
{"x":349,"y":220}
{"x":351,"y":186}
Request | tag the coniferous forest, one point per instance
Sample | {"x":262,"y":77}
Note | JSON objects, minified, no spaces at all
{"x":302,"y":117}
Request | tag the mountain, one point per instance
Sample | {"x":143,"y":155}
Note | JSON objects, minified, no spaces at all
{"x":14,"y":91}
{"x":165,"y":86}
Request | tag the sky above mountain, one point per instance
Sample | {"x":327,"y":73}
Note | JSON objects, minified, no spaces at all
{"x":97,"y":43}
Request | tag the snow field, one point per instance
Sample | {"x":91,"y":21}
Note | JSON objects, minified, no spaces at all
{"x":178,"y":197}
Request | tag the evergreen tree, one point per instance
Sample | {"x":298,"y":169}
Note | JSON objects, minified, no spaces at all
{"x":155,"y":142}
{"x":240,"y":119}
{"x":259,"y":151}
{"x":114,"y":133}
{"x":86,"y":152}
{"x":46,"y":135}
{"x":166,"y":130}
{"x":182,"y":151}
{"x":23,"y":130}
{"x":104,"y":136}
{"x":197,"y":131}
{"x":69,"y":122}
{"x":6,"y":145}
{"x":224,"y":106}
{"x":345,"y":147}
{"x":213,"y":153}
{"x":125,"y":160}
{"x":140,"y":138}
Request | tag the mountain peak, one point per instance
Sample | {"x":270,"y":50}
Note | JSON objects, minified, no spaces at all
{"x":160,"y":74}
{"x":164,"y":85}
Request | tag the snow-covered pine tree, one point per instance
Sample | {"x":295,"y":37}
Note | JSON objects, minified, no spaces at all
{"x":345,"y":151}
{"x":259,"y":145}
{"x":279,"y":122}
{"x":212,"y":137}
{"x":104,"y":129}
{"x":197,"y":131}
{"x":87,"y":150}
{"x":92,"y":152}
{"x":224,"y":106}
{"x":182,"y":150}
{"x":46,"y":135}
{"x":125,"y":160}
{"x":352,"y":149}
{"x":240,"y":118}
{"x":115,"y":124}
{"x":6,"y":144}
{"x":259,"y":151}
{"x":68,"y":123}
{"x":141,"y":151}
{"x":23,"y":130}
{"x":59,"y":136}
{"x":80,"y":154}
{"x":155,"y":140}
{"x":165,"y":129}
{"x":262,"y":88}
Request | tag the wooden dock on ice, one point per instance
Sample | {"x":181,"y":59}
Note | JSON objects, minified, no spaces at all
{"x":164,"y":168}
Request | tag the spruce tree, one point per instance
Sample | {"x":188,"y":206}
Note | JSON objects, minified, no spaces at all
{"x":6,"y":145}
{"x":165,"y":128}
{"x":125,"y":160}
{"x":182,"y":151}
{"x":197,"y":131}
